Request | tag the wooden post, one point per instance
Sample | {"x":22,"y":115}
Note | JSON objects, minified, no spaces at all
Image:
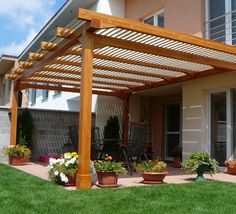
{"x":14,"y":113}
{"x":83,"y":178}
{"x":126,"y":118}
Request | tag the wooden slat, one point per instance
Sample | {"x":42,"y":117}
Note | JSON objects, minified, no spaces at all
{"x":114,"y":69}
{"x":134,"y":62}
{"x":35,"y":56}
{"x":106,"y":21}
{"x":25,"y":65}
{"x":106,"y":41}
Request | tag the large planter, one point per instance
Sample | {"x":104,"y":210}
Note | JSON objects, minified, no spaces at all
{"x":231,"y":171}
{"x":200,"y":171}
{"x":16,"y":161}
{"x":25,"y":159}
{"x":177,"y":162}
{"x":153,"y":177}
{"x":107,"y":179}
{"x":71,"y":181}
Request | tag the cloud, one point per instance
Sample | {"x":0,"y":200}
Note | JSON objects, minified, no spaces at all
{"x":26,"y":13}
{"x":16,"y":48}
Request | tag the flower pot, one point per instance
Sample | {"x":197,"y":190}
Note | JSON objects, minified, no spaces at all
{"x":231,"y":170}
{"x":71,"y":181}
{"x":16,"y":161}
{"x":177,"y":162}
{"x":107,"y":179}
{"x":25,"y":159}
{"x":200,"y":171}
{"x":153,"y":177}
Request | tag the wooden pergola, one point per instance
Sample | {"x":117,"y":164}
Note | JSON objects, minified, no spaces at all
{"x":114,"y":56}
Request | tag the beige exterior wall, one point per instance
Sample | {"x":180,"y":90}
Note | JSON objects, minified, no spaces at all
{"x":180,"y":15}
{"x":196,"y":116}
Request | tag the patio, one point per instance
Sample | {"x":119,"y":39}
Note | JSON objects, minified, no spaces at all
{"x":115,"y":57}
{"x":175,"y":176}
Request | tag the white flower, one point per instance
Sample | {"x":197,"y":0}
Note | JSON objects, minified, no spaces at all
{"x":67,"y":156}
{"x":63,"y":177}
{"x":67,"y":163}
{"x":73,"y":160}
{"x":56,"y":173}
{"x":52,"y":161}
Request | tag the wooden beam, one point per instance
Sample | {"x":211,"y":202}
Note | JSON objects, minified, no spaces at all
{"x":10,"y":76}
{"x":106,"y":21}
{"x":25,"y":65}
{"x":14,"y":114}
{"x":64,"y":32}
{"x":17,"y":71}
{"x":35,"y":56}
{"x":126,"y":121}
{"x":23,"y":86}
{"x":108,"y":41}
{"x":48,"y":46}
{"x":83,"y":179}
{"x":62,"y":46}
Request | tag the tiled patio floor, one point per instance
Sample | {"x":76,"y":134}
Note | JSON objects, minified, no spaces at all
{"x":175,"y":176}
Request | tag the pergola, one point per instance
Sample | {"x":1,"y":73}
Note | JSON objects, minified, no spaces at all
{"x":115,"y":57}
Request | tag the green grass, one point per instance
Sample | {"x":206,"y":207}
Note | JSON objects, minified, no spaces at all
{"x":23,"y":193}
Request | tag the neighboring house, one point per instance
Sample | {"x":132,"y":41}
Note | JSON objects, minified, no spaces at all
{"x":200,"y":114}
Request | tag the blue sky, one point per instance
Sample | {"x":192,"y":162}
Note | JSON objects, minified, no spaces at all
{"x":21,"y":20}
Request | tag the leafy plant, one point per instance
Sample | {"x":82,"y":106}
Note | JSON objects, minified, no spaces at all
{"x":108,"y":165}
{"x":177,"y":152}
{"x":151,"y":166}
{"x":230,"y":163}
{"x":111,"y":133}
{"x":65,"y":166}
{"x":196,"y":159}
{"x":17,"y":151}
{"x":25,"y":127}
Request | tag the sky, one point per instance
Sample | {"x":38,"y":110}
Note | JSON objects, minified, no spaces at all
{"x":21,"y":20}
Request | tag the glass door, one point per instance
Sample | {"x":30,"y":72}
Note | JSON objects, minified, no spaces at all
{"x":218,"y":127}
{"x":172,"y":128}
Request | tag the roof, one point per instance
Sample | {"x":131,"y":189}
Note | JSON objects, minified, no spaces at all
{"x":128,"y":56}
{"x":6,"y":63}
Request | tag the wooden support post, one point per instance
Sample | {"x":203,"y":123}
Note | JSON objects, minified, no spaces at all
{"x":83,"y":178}
{"x":14,"y":113}
{"x":126,"y":118}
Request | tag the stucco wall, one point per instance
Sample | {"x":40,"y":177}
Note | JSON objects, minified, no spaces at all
{"x":180,"y":15}
{"x":196,"y":133}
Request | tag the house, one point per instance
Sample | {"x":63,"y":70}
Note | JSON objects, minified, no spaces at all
{"x":182,"y":85}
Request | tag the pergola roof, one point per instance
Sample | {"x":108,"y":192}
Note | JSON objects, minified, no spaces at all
{"x":128,"y":56}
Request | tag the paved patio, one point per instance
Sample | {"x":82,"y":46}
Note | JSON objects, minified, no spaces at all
{"x":175,"y":176}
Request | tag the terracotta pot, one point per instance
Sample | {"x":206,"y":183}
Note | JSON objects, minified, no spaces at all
{"x":153,"y":177}
{"x":25,"y":159}
{"x":107,"y":179}
{"x":16,"y":161}
{"x":177,"y":162}
{"x":71,"y":181}
{"x":231,"y":171}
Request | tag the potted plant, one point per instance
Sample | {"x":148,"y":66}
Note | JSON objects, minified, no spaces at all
{"x":16,"y":154}
{"x":107,"y":172}
{"x":200,"y":163}
{"x":152,"y":171}
{"x":231,"y":166}
{"x":177,"y":155}
{"x":63,"y":170}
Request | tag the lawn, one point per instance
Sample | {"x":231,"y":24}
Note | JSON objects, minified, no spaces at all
{"x":23,"y":193}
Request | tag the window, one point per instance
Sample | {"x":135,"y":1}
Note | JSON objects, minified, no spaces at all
{"x":221,"y":21}
{"x":45,"y":94}
{"x":33,"y":96}
{"x":156,"y":19}
{"x":57,"y":93}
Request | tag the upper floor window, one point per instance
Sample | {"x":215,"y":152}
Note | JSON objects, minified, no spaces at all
{"x":157,"y":19}
{"x":221,"y":21}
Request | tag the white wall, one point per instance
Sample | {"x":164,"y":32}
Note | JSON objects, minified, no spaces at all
{"x":196,"y":133}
